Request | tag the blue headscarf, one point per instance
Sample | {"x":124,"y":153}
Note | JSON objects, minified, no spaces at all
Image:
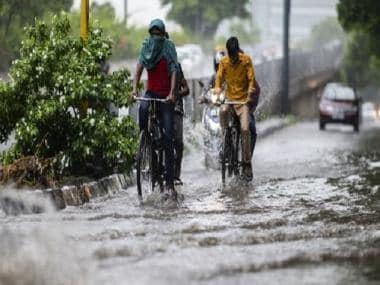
{"x":155,"y":47}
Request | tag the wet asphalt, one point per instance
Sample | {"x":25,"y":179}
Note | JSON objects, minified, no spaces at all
{"x":311,"y":216}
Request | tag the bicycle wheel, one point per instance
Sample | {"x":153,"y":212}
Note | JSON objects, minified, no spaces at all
{"x":231,"y":154}
{"x":160,"y":170}
{"x":144,"y":165}
{"x":225,"y":154}
{"x":236,"y":152}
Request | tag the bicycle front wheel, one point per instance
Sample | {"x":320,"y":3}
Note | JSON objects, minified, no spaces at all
{"x":236,"y":153}
{"x":144,"y":165}
{"x":225,"y":155}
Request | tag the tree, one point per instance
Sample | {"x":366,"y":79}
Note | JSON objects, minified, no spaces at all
{"x":363,"y":19}
{"x":203,"y":17}
{"x":14,"y":15}
{"x":364,"y":16}
{"x":127,"y":41}
{"x":40,"y":105}
{"x":326,"y":31}
{"x":357,"y":59}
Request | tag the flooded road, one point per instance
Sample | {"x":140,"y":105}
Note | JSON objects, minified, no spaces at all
{"x":311,"y":216}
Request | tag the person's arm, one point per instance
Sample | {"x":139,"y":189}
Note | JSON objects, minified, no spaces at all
{"x":173,"y":69}
{"x":219,"y":78}
{"x":250,"y":76}
{"x":173,"y":80}
{"x":184,"y":88}
{"x":251,"y":83}
{"x":137,"y":78}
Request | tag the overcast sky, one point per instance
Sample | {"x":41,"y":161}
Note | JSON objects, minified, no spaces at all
{"x":140,"y":11}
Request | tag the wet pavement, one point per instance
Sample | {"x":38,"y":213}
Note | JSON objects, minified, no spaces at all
{"x":311,"y":216}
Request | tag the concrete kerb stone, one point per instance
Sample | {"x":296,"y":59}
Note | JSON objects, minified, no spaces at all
{"x":71,"y":196}
{"x":68,"y":195}
{"x":56,"y":196}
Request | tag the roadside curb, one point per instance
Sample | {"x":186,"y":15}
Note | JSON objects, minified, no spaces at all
{"x":28,"y":202}
{"x":270,"y":126}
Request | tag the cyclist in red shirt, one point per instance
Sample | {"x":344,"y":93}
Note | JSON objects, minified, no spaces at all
{"x":159,"y":57}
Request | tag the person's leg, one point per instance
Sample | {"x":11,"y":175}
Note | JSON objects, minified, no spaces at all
{"x":252,"y":129}
{"x":144,"y":112}
{"x":243,"y":114}
{"x":166,"y":120}
{"x":178,"y":144}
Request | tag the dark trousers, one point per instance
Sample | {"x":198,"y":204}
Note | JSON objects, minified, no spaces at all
{"x":178,"y":144}
{"x":166,"y":118}
{"x":252,"y":129}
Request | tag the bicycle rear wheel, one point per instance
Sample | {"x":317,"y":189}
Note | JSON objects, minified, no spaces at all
{"x":145,"y":165}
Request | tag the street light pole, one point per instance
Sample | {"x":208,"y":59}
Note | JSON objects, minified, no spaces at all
{"x":84,"y":17}
{"x":285,"y":64}
{"x":126,"y":12}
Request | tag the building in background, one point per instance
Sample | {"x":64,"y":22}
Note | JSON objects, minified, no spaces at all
{"x":268,"y":14}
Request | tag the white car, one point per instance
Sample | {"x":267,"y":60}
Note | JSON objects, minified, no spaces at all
{"x":369,"y":111}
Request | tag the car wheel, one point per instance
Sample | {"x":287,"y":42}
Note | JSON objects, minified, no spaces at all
{"x":322,"y":125}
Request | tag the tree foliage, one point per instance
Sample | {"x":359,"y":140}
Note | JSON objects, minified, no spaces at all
{"x":54,"y":75}
{"x":203,"y":17}
{"x":126,"y":41}
{"x":362,"y":18}
{"x":14,"y":15}
{"x":357,"y":59}
{"x":247,"y":32}
{"x":326,"y":31}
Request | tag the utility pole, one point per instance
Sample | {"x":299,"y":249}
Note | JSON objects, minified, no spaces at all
{"x":285,"y":64}
{"x":125,"y":13}
{"x":84,"y":18}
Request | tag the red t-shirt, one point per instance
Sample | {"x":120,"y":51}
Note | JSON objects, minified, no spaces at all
{"x":159,"y":79}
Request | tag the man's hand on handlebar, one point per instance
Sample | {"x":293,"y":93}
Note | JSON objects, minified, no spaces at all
{"x":171,"y":98}
{"x":133,"y":97}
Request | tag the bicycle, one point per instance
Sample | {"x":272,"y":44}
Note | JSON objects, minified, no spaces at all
{"x":231,"y":156}
{"x":149,"y":160}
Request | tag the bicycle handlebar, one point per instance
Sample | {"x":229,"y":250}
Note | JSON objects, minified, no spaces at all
{"x":233,"y":103}
{"x":151,"y":99}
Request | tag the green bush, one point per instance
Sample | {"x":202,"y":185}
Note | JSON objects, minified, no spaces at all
{"x":55,"y":75}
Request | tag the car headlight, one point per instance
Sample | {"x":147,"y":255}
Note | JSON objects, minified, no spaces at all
{"x":326,"y":108}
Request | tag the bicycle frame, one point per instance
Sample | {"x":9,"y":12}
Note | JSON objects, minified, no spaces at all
{"x":153,"y":138}
{"x":231,"y":145}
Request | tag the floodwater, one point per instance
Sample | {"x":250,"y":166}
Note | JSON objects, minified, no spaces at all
{"x":311,"y":216}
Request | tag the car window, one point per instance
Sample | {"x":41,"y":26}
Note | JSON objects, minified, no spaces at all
{"x":345,"y":94}
{"x":339,"y":93}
